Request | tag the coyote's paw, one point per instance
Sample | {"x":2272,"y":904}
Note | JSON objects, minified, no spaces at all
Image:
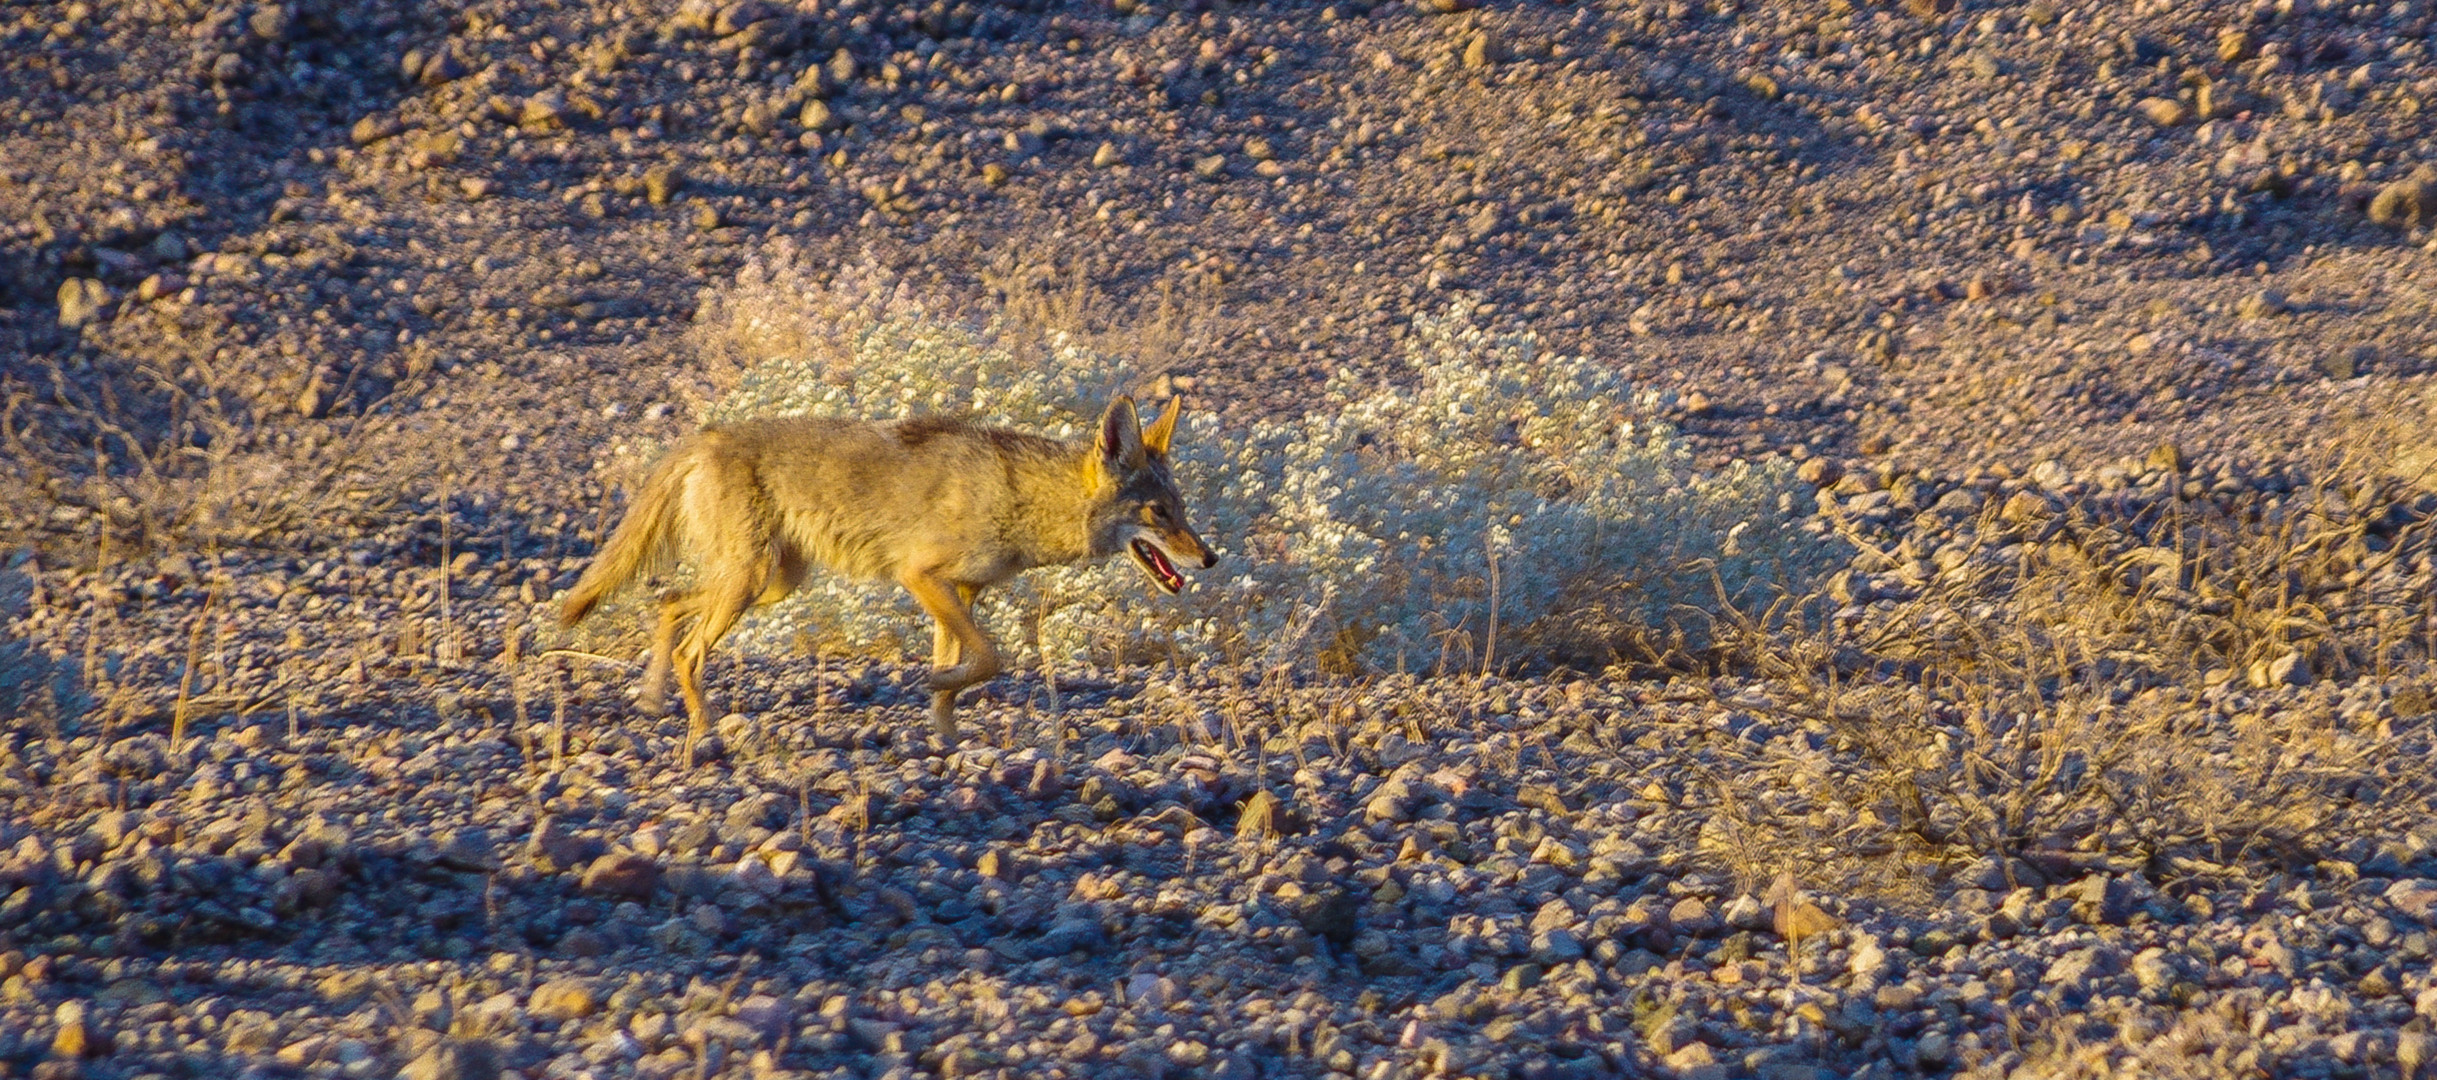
{"x":943,"y":720}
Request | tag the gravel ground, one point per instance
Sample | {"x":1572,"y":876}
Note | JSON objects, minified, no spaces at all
{"x":358,"y":294}
{"x":412,"y":847}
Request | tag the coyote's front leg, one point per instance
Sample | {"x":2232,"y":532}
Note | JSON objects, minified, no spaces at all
{"x":961,"y":655}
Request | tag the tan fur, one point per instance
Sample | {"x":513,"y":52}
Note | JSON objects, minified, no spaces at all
{"x":942,"y":507}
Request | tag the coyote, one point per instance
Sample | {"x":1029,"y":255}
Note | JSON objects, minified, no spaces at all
{"x":943,"y":507}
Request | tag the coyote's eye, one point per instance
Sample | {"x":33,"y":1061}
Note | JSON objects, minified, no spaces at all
{"x":1153,"y":514}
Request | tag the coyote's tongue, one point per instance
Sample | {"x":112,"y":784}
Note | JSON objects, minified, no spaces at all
{"x":1156,"y":561}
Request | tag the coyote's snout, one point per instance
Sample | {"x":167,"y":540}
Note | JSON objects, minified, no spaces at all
{"x":940,"y":506}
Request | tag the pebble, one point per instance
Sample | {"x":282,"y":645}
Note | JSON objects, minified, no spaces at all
{"x":661,"y":183}
{"x":2414,"y":898}
{"x":2164,"y":112}
{"x":817,"y":116}
{"x":628,"y":875}
{"x":81,"y":301}
{"x":562,"y":999}
{"x":2408,"y":203}
{"x":2262,"y":304}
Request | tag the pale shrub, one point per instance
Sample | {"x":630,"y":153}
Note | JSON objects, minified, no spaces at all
{"x":1362,"y":533}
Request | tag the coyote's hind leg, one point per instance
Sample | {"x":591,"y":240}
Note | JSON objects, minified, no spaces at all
{"x":654,"y":699}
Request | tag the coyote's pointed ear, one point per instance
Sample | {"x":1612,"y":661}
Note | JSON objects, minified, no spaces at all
{"x":1121,"y":435}
{"x":1162,"y":431}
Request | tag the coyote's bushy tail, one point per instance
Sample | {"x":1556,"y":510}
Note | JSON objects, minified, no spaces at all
{"x":645,"y":540}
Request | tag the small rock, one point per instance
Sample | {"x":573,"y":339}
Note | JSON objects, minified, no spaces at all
{"x":624,"y":874}
{"x":1393,"y":802}
{"x":2414,"y":1049}
{"x":1210,"y":168}
{"x":372,"y":129}
{"x":660,"y":183}
{"x":81,"y":301}
{"x":2022,"y":508}
{"x":1745,"y":912}
{"x":755,"y":876}
{"x":2154,"y":970}
{"x":74,"y":1039}
{"x":1562,"y":854}
{"x":736,"y":18}
{"x":442,"y":67}
{"x":2291,"y":669}
{"x":1556,"y":914}
{"x":584,"y":942}
{"x":562,"y":999}
{"x":2051,"y":475}
{"x":2082,"y":965}
{"x":2263,"y":304}
{"x":2346,"y":363}
{"x":2415,"y":898}
{"x":768,"y":1016}
{"x":1556,"y":946}
{"x":2407,"y":204}
{"x":2363,"y":1047}
{"x":469,"y":849}
{"x":1691,"y":915}
{"x":1106,"y":156}
{"x":1797,"y":919}
{"x":994,"y":174}
{"x":1869,"y":959}
{"x":1695,"y":1059}
{"x":556,"y":849}
{"x":2162,"y":111}
{"x":818,"y":116}
{"x":1819,"y":472}
{"x":1934,"y":1048}
{"x":544,"y":110}
{"x":1482,"y":51}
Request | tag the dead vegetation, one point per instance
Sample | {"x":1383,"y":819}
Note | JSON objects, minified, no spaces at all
{"x":2194,"y":688}
{"x":150,"y":462}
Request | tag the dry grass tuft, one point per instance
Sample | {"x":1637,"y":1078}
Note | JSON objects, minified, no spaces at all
{"x":2186,"y":688}
{"x":155,"y":462}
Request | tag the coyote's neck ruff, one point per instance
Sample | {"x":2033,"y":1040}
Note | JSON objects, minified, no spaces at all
{"x":943,"y":507}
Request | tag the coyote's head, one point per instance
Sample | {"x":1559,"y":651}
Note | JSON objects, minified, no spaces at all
{"x":1136,"y":505}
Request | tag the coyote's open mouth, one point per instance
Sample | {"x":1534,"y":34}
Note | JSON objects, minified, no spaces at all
{"x":1155,"y":563}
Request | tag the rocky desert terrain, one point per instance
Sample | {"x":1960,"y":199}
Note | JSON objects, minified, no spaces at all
{"x":2101,"y":334}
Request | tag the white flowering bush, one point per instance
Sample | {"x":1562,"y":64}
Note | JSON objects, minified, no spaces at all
{"x":1384,"y":528}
